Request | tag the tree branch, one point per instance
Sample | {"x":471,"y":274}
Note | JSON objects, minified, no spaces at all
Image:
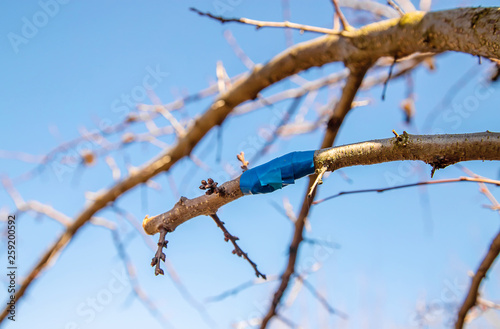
{"x":439,"y":151}
{"x":260,"y":24}
{"x":354,"y":81}
{"x":434,"y":182}
{"x":237,"y":250}
{"x":473,"y":293}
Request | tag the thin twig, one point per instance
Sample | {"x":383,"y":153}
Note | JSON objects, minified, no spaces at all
{"x":160,"y":255}
{"x":44,"y":209}
{"x":478,"y":277}
{"x":341,"y":109}
{"x":473,"y":298}
{"x":136,"y":288}
{"x":260,"y":24}
{"x":178,"y":284}
{"x":237,"y":250}
{"x":441,"y":181}
{"x":395,"y":6}
{"x":284,"y":120}
{"x":322,"y":300}
{"x":317,"y":181}
{"x":131,"y":118}
{"x":388,"y":77}
{"x":231,"y":40}
{"x":236,"y":290}
{"x":345,"y":23}
{"x":244,"y":163}
{"x":287,"y":15}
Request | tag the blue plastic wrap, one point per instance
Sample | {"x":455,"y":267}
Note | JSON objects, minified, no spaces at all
{"x":277,"y":173}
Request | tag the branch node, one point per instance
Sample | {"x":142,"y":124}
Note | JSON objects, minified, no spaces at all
{"x":402,"y":139}
{"x":181,"y":201}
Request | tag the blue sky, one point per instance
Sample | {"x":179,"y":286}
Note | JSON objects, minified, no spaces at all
{"x":85,"y":61}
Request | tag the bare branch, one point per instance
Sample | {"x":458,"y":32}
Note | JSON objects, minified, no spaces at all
{"x":237,"y":250}
{"x":160,"y":255}
{"x":231,"y":40}
{"x":395,"y":6}
{"x":440,"y":181}
{"x":317,"y":181}
{"x":241,"y":287}
{"x":260,"y":24}
{"x":284,"y":120}
{"x":353,"y":83}
{"x":136,"y":288}
{"x":376,"y":8}
{"x":179,"y":285}
{"x":320,"y":298}
{"x":480,"y":274}
{"x":342,"y":18}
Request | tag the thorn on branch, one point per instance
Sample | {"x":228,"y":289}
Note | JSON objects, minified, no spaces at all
{"x":160,"y":255}
{"x":244,"y":163}
{"x":237,"y":250}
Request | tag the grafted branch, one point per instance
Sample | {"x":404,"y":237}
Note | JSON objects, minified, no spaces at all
{"x":439,"y":151}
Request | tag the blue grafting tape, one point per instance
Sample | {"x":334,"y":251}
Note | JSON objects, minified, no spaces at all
{"x":277,"y":173}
